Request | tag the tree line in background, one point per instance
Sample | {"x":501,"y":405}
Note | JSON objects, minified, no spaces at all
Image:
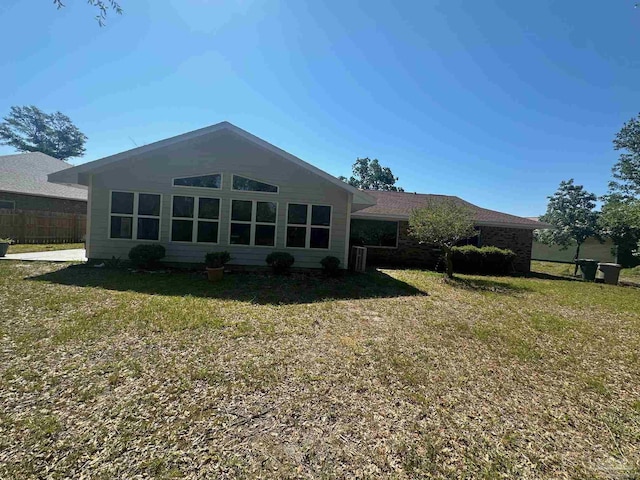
{"x":571,"y":209}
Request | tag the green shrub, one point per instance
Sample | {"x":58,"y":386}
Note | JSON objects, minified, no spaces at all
{"x":484,"y":260}
{"x":280,"y":262}
{"x":331,"y":265}
{"x":216,"y":259}
{"x":147,"y":256}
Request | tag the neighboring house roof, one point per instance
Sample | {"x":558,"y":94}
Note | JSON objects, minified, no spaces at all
{"x":398,"y":206}
{"x":77,"y":175}
{"x":26,"y":173}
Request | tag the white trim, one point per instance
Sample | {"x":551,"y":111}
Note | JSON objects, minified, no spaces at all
{"x":233,"y":175}
{"x":347,"y":234}
{"x":381,"y":247}
{"x":195,"y":219}
{"x":135,"y":216}
{"x":253,"y":222}
{"x":196,"y":176}
{"x":87,"y":233}
{"x":308,"y":226}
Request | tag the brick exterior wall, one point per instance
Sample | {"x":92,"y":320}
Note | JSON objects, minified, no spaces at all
{"x":411,"y":254}
{"x":46,"y":204}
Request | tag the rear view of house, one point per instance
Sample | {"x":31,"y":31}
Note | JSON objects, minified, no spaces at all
{"x":222,"y":188}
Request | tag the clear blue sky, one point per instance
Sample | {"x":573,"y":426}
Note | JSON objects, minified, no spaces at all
{"x":495,"y":101}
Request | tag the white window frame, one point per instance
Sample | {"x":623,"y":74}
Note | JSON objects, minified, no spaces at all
{"x":206,"y":189}
{"x":195,"y":219}
{"x":277,"y":192}
{"x":308,"y":226}
{"x":134,"y":217}
{"x":395,"y":247}
{"x":253,"y":223}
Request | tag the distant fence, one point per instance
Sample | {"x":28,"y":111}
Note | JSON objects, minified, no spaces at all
{"x":35,"y":226}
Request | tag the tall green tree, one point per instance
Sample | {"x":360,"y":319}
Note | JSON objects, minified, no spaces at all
{"x":29,"y":129}
{"x":103,"y":7}
{"x":370,"y":175}
{"x":571,"y":210}
{"x":442,"y":223}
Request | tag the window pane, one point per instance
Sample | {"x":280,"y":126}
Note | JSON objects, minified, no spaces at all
{"x":266,"y":212}
{"x":241,"y":210}
{"x":208,"y":232}
{"x":149,"y":204}
{"x":297,"y":214}
{"x":148,"y":229}
{"x":296,"y":236}
{"x":248,"y":185}
{"x":209,"y":208}
{"x":319,"y":238}
{"x":265,"y":235}
{"x":320,"y":215}
{"x":182,"y":230}
{"x":121,"y":202}
{"x":240,"y":234}
{"x":7,"y":204}
{"x":374,"y":233}
{"x":183,"y":207}
{"x":121,"y":227}
{"x":203,"y":181}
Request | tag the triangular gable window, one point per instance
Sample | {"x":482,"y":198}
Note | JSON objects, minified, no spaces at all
{"x":245,"y":184}
{"x":202,"y":181}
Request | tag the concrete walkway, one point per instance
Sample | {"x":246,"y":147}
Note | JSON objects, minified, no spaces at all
{"x":72,"y":255}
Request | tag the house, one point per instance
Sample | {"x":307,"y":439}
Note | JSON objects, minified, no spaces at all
{"x":221,"y":187}
{"x":33,"y":210}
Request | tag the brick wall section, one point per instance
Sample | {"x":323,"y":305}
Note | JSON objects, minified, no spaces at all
{"x":411,"y":254}
{"x":46,"y":204}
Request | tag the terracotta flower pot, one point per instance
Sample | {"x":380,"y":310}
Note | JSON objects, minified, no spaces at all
{"x":215,"y":274}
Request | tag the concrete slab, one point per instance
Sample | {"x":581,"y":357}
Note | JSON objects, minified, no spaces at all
{"x":71,"y":255}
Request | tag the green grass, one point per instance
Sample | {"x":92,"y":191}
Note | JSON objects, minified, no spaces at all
{"x":631,"y":275}
{"x":44,"y":247}
{"x":392,"y":374}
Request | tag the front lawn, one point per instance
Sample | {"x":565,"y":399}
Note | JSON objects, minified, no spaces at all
{"x":631,"y":275}
{"x":42,"y":247}
{"x":396,"y":374}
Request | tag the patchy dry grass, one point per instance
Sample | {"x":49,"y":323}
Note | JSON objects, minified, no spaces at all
{"x":44,"y":247}
{"x":393,"y":374}
{"x":630,"y":275}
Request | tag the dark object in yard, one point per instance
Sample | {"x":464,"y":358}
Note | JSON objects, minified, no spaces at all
{"x":147,"y":256}
{"x":611,"y":272}
{"x":214,"y":262}
{"x":4,"y":247}
{"x":331,"y":265}
{"x":280,"y":262}
{"x":588,"y":268}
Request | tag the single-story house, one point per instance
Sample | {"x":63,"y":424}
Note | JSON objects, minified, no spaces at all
{"x":222,"y":188}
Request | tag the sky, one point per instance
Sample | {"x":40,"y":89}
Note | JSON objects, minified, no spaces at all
{"x":495,"y":101}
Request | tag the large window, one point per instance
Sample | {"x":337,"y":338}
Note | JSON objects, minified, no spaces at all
{"x":135,"y":216}
{"x":245,"y":184}
{"x":213,"y":180}
{"x":7,"y":204}
{"x":195,"y":219}
{"x":253,"y":223}
{"x":308,"y":226}
{"x":374,"y":233}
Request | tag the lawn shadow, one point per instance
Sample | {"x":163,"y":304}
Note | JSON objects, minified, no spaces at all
{"x":486,"y":285}
{"x":255,"y":287}
{"x":550,"y":276}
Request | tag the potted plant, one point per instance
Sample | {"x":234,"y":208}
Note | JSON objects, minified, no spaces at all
{"x":214,"y":262}
{"x":4,"y":245}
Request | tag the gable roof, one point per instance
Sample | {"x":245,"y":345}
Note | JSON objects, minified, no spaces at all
{"x":75,"y":175}
{"x":27,"y":173}
{"x":398,"y":206}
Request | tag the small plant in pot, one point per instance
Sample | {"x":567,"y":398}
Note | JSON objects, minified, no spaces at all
{"x":4,"y":245}
{"x":215,"y":262}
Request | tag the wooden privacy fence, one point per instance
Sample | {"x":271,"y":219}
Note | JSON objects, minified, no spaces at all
{"x":36,"y":226}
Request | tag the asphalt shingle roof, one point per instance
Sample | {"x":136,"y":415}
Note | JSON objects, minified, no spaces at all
{"x":400,"y":204}
{"x":27,"y":173}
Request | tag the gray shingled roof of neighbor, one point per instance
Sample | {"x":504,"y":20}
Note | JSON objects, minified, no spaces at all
{"x":398,"y":205}
{"x":26,"y":173}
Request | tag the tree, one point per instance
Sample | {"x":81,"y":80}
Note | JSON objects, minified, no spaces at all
{"x":571,"y":212}
{"x":101,"y":5}
{"x":442,"y":223}
{"x":626,"y":171}
{"x":29,"y":129}
{"x":370,"y":175}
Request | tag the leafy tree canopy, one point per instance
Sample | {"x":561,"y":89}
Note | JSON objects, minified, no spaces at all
{"x":571,"y":212}
{"x":442,"y":223}
{"x":29,"y":129}
{"x":102,"y":6}
{"x":626,"y":171}
{"x":370,"y":175}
